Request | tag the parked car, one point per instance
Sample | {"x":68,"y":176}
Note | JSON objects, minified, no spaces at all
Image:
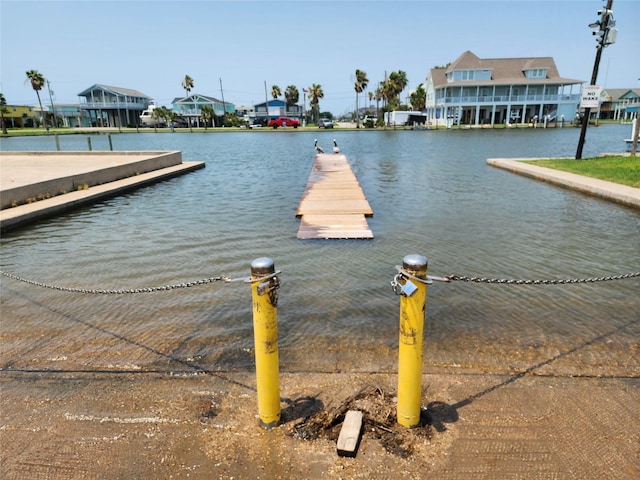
{"x":284,"y":122}
{"x":260,"y":122}
{"x":180,"y":122}
{"x":369,"y":121}
{"x":325,"y":123}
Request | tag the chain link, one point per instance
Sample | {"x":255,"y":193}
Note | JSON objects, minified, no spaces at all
{"x":506,"y":281}
{"x":176,"y":286}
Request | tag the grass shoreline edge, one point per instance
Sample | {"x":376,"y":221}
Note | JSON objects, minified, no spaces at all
{"x":607,"y":190}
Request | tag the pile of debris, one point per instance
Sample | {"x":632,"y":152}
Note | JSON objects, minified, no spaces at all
{"x":378,"y":421}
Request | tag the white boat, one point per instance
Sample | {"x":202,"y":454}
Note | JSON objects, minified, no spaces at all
{"x":148,"y":120}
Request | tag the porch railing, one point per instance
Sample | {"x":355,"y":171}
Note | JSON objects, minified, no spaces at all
{"x":529,"y":99}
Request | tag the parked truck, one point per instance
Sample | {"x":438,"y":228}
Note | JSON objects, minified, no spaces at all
{"x":406,"y":117}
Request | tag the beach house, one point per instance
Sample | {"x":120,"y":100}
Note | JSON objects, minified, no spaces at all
{"x":107,"y":106}
{"x":477,"y":91}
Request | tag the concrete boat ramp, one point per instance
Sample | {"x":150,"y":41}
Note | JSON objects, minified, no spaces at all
{"x":37,"y":185}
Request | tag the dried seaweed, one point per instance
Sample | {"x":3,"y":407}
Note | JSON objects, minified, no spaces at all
{"x":379,"y":419}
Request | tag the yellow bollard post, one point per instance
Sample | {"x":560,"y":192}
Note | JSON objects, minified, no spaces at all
{"x":412,"y":310}
{"x":264,"y":293}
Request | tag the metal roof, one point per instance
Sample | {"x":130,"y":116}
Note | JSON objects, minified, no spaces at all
{"x":115,"y":90}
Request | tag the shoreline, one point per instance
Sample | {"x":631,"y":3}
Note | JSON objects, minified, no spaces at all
{"x":340,"y":126}
{"x":614,"y":192}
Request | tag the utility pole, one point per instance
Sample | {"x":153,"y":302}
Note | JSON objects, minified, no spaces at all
{"x":224,"y":106}
{"x":266,"y":99}
{"x":53,"y":111}
{"x":605,"y":35}
{"x":304,"y":107}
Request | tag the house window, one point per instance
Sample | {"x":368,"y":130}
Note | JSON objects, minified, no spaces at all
{"x":469,"y":75}
{"x":536,"y":73}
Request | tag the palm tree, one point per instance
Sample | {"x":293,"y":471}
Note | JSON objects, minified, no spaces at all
{"x":158,"y":114}
{"x":275,"y":93}
{"x":187,"y":84}
{"x":400,"y":79}
{"x":418,"y":98}
{"x":377,"y":95}
{"x":315,"y":94}
{"x":37,"y":82}
{"x":360,"y":85}
{"x":170,"y":116}
{"x":291,"y":95}
{"x":3,"y":110}
{"x":206,"y":113}
{"x":391,"y":88}
{"x":397,"y":82}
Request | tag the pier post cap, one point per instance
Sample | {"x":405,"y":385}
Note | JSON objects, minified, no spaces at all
{"x":262,"y":266}
{"x":415,"y":263}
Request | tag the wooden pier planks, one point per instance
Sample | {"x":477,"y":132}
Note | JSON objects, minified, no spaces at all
{"x":333,"y":204}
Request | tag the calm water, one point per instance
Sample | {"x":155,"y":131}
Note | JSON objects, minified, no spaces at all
{"x":432,"y":194}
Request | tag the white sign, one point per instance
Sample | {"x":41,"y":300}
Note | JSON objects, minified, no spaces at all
{"x":590,"y":96}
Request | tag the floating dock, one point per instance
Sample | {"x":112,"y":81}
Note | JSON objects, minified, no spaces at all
{"x":333,"y":205}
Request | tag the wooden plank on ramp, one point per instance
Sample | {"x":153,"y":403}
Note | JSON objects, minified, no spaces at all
{"x":333,"y":204}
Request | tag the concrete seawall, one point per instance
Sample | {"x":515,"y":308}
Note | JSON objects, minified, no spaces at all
{"x":36,"y":185}
{"x":614,"y":192}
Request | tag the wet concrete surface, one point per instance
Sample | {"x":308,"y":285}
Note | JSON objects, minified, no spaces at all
{"x":134,"y":424}
{"x":63,"y":417}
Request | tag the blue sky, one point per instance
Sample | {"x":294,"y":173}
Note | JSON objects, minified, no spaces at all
{"x":151,"y":45}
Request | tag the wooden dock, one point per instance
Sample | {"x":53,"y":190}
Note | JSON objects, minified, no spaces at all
{"x":333,"y":204}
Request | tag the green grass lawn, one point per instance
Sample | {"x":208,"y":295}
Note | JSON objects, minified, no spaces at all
{"x":623,"y":170}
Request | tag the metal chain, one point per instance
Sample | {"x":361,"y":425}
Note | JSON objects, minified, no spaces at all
{"x":395,"y":284}
{"x":462,"y":278}
{"x":221,"y":278}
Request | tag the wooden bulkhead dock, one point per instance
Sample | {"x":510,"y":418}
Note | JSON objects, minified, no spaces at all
{"x":333,"y":204}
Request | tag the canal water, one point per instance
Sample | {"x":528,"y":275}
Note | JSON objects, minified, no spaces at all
{"x":432,"y":194}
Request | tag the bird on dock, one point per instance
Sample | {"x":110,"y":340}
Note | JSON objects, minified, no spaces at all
{"x":336,"y":148}
{"x":317,"y":147}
